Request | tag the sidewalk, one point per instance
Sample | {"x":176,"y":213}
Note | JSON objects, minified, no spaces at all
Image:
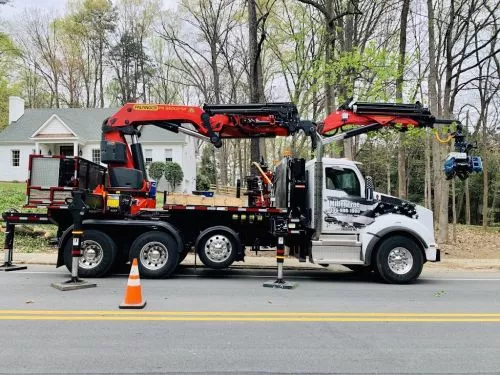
{"x":251,"y":261}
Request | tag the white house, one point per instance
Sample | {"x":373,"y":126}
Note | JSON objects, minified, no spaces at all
{"x":77,"y":132}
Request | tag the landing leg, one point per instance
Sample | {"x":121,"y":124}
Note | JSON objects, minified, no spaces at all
{"x":9,"y":249}
{"x":280,"y":258}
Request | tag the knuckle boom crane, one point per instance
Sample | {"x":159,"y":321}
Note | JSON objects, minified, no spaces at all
{"x":322,"y":209}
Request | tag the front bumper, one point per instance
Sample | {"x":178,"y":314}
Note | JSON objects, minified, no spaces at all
{"x":432,"y":254}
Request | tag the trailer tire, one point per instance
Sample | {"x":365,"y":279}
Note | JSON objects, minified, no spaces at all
{"x":217,"y":247}
{"x":399,"y":260}
{"x":157,"y":254}
{"x":98,"y":254}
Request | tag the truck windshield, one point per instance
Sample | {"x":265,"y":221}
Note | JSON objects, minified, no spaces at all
{"x":342,"y":179}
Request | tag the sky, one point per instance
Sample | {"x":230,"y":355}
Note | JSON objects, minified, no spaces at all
{"x":15,"y":7}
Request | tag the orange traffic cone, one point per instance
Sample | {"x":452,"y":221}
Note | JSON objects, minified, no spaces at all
{"x":133,"y":294}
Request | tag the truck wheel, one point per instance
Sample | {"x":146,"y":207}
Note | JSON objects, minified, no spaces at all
{"x":399,"y":260}
{"x":217,"y":247}
{"x":98,"y":254}
{"x":157,"y":254}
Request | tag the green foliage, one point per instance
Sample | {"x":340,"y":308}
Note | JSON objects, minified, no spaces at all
{"x":369,"y":73}
{"x":173,"y":174}
{"x":202,"y":182}
{"x":156,"y":170}
{"x":8,"y":55}
{"x":207,"y":167}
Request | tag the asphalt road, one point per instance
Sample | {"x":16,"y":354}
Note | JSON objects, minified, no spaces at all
{"x":226,"y":322}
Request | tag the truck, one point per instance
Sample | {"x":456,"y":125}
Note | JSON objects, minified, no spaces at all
{"x":323,"y":210}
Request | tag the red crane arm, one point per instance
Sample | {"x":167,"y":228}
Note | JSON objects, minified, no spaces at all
{"x":243,"y":121}
{"x":211,"y":122}
{"x":377,"y":115}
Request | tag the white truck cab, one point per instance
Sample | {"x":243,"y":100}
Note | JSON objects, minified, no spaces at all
{"x":378,"y":232}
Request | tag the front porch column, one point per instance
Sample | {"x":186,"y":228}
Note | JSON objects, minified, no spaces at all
{"x":75,"y":148}
{"x":37,"y":148}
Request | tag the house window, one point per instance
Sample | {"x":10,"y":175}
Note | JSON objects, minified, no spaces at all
{"x":16,"y":155}
{"x":96,"y":155}
{"x":148,"y":156}
{"x":168,"y":154}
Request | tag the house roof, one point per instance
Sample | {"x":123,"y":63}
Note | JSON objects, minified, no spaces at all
{"x":84,"y":122}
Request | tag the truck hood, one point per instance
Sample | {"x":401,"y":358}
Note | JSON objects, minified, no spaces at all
{"x":424,"y":215}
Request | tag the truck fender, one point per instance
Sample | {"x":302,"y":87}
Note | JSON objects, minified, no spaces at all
{"x":158,"y":225}
{"x":398,"y":224}
{"x":62,"y":242}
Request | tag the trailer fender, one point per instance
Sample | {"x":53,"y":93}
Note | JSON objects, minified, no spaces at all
{"x":158,"y":225}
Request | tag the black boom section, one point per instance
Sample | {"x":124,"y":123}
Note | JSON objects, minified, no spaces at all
{"x":415,"y":111}
{"x":282,"y":111}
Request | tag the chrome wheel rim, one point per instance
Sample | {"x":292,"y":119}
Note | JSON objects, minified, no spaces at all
{"x":153,"y":255}
{"x":218,"y":248}
{"x":400,"y":260}
{"x":92,"y":254}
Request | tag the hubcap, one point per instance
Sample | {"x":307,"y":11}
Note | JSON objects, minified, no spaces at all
{"x":400,"y":260}
{"x":154,"y":255}
{"x":218,"y":248}
{"x":92,"y":254}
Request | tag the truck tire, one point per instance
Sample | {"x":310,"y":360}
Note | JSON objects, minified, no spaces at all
{"x":98,"y":254}
{"x":217,"y":247}
{"x":157,"y":254}
{"x":399,"y":260}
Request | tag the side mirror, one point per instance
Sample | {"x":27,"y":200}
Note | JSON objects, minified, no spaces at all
{"x":369,"y":188}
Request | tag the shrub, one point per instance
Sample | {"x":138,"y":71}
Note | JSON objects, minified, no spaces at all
{"x":202,"y":182}
{"x":156,"y":170}
{"x":173,"y":174}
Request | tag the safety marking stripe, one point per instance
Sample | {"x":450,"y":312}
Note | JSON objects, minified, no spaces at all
{"x":134,"y":282}
{"x":246,"y":316}
{"x":253,"y":313}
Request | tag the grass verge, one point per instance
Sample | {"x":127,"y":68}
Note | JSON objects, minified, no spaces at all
{"x":12,"y":196}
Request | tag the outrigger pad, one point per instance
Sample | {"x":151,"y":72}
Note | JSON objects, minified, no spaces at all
{"x":12,"y":267}
{"x":280,"y":284}
{"x":73,"y":285}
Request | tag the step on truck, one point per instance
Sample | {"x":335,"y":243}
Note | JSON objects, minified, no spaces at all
{"x":324,"y":209}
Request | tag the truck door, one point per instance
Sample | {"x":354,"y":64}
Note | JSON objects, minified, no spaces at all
{"x":341,"y":200}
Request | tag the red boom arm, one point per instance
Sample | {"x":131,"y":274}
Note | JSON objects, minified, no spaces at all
{"x":377,"y":115}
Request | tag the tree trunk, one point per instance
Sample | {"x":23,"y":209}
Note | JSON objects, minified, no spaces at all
{"x":454,"y":210}
{"x":255,"y":73}
{"x":240,"y":161}
{"x":428,"y":182}
{"x":402,"y":193}
{"x":434,"y":106}
{"x":388,"y":175}
{"x":485,"y":175}
{"x":467,"y":202}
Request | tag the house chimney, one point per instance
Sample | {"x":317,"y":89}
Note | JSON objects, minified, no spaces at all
{"x":16,"y":108}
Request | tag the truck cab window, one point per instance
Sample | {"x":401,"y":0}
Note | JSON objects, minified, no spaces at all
{"x":342,"y":179}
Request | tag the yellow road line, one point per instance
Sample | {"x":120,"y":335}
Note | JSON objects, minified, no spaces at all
{"x":244,"y":316}
{"x":244,"y":313}
{"x":246,"y":319}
